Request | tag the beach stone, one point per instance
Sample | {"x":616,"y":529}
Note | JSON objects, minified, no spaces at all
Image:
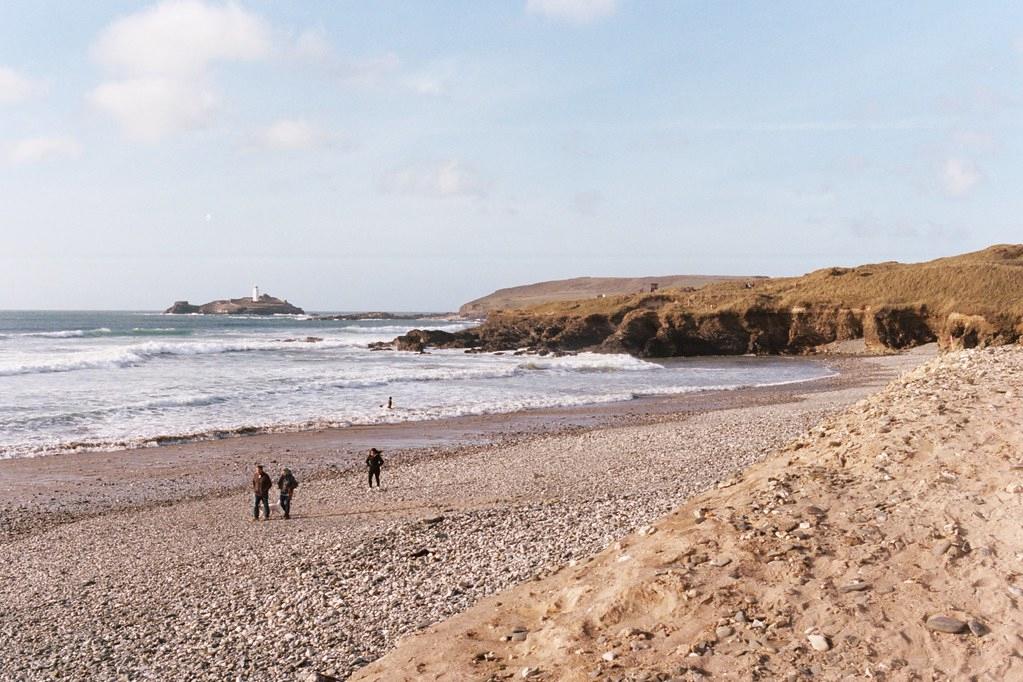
{"x":855,"y":587}
{"x":609,"y":656}
{"x":724,"y":631}
{"x":978,"y":628}
{"x":945,"y":624}
{"x":819,"y":642}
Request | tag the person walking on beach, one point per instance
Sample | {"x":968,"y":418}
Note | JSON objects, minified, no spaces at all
{"x":375,"y":462}
{"x":261,"y":485}
{"x":286,"y":484}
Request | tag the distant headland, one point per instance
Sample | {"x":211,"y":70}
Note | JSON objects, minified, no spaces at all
{"x":257,"y":304}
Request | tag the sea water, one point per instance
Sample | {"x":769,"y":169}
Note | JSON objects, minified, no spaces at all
{"x":73,"y":381}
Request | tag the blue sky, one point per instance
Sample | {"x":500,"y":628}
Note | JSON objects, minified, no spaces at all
{"x":413,"y":155}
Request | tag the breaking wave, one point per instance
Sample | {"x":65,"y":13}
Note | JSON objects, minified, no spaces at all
{"x":71,"y":333}
{"x":127,"y":356}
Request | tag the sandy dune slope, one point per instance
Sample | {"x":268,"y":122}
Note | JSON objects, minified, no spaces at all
{"x":847,"y":555}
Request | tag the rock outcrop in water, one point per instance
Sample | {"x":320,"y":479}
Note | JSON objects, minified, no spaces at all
{"x":265,"y":305}
{"x":967,"y":301}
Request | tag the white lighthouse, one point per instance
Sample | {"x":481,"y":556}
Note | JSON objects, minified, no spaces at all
{"x":255,"y":293}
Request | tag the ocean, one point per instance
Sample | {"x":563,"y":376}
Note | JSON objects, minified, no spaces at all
{"x":80,"y":380}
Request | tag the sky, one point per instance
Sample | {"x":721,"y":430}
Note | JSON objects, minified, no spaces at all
{"x":415,"y":155}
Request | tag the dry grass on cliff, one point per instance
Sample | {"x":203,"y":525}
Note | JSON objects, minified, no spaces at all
{"x":984,"y":282}
{"x":583,"y":288}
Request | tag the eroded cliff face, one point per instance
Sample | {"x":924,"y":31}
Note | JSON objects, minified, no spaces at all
{"x":672,"y":331}
{"x":965,"y":301}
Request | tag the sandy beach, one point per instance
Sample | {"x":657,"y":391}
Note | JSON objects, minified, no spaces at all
{"x":881,"y":545}
{"x":146,"y":565}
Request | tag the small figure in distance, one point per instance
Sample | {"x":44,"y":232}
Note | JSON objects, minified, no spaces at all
{"x":390,"y":403}
{"x":375,"y":462}
{"x":261,"y":484}
{"x":286,"y":484}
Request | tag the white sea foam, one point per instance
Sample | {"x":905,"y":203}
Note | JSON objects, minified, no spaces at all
{"x":126,"y":356}
{"x":200,"y":377}
{"x":396,"y":330}
{"x":70,"y":333}
{"x":590,"y":362}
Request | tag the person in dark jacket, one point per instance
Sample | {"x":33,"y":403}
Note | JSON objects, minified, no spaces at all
{"x":375,"y":462}
{"x":261,"y":485}
{"x":286,"y":484}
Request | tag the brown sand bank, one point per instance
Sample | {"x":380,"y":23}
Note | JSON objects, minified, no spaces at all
{"x":884,"y":544}
{"x":137,"y":583}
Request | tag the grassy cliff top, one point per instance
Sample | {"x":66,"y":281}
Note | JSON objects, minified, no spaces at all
{"x":578,"y":288}
{"x":987,"y":282}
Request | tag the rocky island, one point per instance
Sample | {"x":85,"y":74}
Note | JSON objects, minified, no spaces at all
{"x":255,"y":305}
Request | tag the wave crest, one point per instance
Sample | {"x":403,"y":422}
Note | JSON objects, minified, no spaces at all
{"x":127,"y":356}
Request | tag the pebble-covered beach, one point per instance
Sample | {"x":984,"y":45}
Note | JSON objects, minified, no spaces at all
{"x":196,"y":590}
{"x":883,"y":544}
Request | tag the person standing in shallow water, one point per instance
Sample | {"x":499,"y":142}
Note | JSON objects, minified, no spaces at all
{"x":261,"y":485}
{"x":375,"y":462}
{"x":286,"y":484}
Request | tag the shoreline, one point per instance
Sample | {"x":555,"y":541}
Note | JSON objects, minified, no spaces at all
{"x":181,"y":584}
{"x":43,"y":490}
{"x":162,"y":440}
{"x":186,"y":586}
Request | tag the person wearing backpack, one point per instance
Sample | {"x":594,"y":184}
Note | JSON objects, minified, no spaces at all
{"x":286,"y":484}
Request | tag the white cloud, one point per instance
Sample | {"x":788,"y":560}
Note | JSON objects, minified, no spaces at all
{"x":161,"y":59}
{"x":450,"y":178}
{"x":574,"y":11}
{"x":154,"y":107}
{"x":434,"y":79}
{"x":181,"y":37}
{"x":312,"y":45}
{"x":368,"y":71}
{"x":33,"y":149}
{"x":294,"y":135}
{"x":960,"y":176}
{"x":426,"y":85}
{"x":16,"y":87}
